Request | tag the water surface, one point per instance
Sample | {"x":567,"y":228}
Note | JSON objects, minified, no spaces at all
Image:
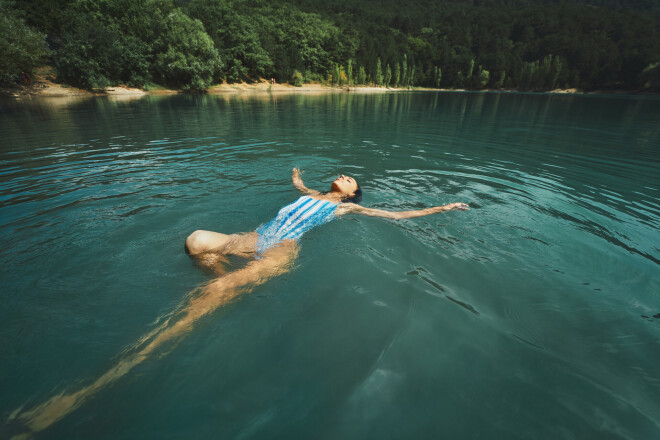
{"x":533,"y":315}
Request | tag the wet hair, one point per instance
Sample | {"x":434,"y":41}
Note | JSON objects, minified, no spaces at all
{"x":355,"y":198}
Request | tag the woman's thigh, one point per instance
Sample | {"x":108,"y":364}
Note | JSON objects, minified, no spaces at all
{"x":201,"y":241}
{"x":273,"y":262}
{"x":244,"y":245}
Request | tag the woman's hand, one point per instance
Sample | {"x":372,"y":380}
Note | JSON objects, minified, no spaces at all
{"x":456,"y":207}
{"x":299,"y":185}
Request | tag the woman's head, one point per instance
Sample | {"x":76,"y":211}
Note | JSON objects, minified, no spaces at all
{"x":348,"y":188}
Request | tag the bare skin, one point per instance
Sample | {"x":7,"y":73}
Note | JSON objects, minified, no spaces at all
{"x":211,"y":250}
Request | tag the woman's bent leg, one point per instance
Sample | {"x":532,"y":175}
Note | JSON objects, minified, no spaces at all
{"x":275,"y":261}
{"x":205,"y":241}
{"x":208,"y":241}
{"x":209,"y":249}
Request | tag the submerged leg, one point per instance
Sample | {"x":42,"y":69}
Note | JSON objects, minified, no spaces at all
{"x":220,"y":291}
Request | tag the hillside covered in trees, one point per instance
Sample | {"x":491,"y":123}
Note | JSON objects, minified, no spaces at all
{"x":193,"y":44}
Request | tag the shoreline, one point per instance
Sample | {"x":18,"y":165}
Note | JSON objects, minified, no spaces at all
{"x":44,"y":87}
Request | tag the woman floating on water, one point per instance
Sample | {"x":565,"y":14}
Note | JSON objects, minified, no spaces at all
{"x":271,"y":250}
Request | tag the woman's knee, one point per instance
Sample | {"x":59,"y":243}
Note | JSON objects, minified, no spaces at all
{"x":196,"y":242}
{"x":204,"y":241}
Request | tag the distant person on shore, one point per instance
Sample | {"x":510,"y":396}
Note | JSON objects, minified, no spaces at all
{"x":270,"y":250}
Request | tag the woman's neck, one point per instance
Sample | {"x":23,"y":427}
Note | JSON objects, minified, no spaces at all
{"x":332,"y":196}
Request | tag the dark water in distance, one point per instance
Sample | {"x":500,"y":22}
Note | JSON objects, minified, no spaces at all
{"x":529,"y":316}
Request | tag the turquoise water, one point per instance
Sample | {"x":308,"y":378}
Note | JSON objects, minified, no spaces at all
{"x":529,"y":316}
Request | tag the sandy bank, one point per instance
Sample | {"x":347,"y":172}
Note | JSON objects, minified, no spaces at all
{"x":563,"y":91}
{"x":369,"y":89}
{"x":267,"y":87}
{"x":43,"y":84}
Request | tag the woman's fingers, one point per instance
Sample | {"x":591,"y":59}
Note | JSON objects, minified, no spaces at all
{"x":460,"y":207}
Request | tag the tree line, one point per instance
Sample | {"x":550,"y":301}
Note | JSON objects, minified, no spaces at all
{"x":193,"y":44}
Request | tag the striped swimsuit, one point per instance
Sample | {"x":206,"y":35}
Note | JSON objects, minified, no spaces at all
{"x":294,"y":220}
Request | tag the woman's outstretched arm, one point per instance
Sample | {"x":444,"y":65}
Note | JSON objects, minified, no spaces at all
{"x":300,"y":186}
{"x":346,"y":208}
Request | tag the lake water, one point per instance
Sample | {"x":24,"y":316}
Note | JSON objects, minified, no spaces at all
{"x":529,"y":316}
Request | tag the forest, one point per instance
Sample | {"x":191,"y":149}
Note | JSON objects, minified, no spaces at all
{"x":192,"y":44}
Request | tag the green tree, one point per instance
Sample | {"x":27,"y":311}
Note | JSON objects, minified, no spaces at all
{"x":296,"y":79}
{"x":349,"y":72}
{"x":21,"y":48}
{"x":388,"y":76}
{"x":482,"y":78}
{"x":469,"y":73}
{"x":404,"y":71}
{"x":555,"y":72}
{"x":531,"y":75}
{"x":437,"y":76}
{"x":339,"y":77}
{"x":650,"y":77}
{"x":46,"y":16}
{"x":500,"y":80}
{"x":184,"y":54}
{"x":397,"y":74}
{"x":100,"y":46}
{"x":300,"y":40}
{"x":362,"y":76}
{"x":84,"y":59}
{"x":545,"y":75}
{"x":235,"y":36}
{"x":378,"y":77}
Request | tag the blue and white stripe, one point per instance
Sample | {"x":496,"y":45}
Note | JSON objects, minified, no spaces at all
{"x":293,"y":220}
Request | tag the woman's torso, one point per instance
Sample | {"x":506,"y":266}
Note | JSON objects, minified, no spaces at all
{"x":293,"y":220}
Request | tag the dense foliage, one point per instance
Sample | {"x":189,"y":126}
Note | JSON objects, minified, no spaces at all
{"x":524,"y":44}
{"x":21,"y":47}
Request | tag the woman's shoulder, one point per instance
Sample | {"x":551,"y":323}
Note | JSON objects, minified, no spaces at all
{"x":345,"y":208}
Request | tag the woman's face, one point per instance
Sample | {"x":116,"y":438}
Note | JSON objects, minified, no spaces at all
{"x":344,"y":184}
